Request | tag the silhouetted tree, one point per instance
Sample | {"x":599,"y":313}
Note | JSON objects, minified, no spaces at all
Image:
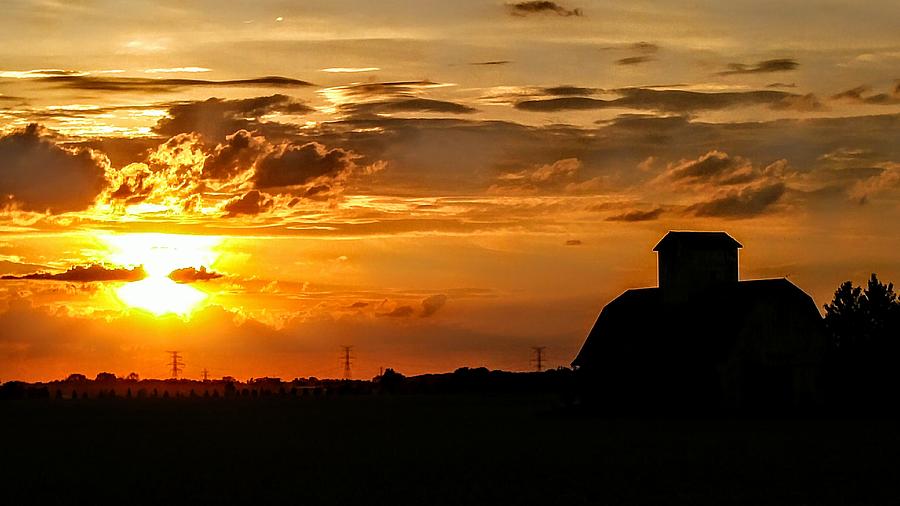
{"x":864,"y":326}
{"x":105,"y":377}
{"x":862,"y":319}
{"x":390,"y":379}
{"x":76,"y":377}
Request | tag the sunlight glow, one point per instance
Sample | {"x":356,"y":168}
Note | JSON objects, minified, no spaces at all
{"x":161,"y":296}
{"x":160,"y":254}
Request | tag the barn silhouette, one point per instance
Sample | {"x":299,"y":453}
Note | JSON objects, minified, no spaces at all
{"x":704,"y":338}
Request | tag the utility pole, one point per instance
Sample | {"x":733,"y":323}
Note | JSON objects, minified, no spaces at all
{"x":177,"y":364}
{"x":205,"y":374}
{"x":538,"y":359}
{"x":345,"y":360}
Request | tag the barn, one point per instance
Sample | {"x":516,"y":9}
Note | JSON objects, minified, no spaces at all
{"x":704,"y":338}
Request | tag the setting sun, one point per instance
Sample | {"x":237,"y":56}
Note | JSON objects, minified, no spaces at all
{"x":160,"y":255}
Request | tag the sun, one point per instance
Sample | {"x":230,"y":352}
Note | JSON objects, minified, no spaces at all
{"x":160,"y":254}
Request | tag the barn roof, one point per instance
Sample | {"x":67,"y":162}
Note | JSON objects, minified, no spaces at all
{"x":697,"y":240}
{"x":641,"y":317}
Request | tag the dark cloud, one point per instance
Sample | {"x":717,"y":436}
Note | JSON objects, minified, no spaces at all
{"x":359,"y":305}
{"x":808,"y":102}
{"x":160,"y":85}
{"x":861,"y":94}
{"x":120,"y":150}
{"x":686,"y":101}
{"x":541,"y":7}
{"x":415,"y":150}
{"x":491,"y":62}
{"x":192,"y":275}
{"x":644,"y":47}
{"x":568,"y":91}
{"x":215,"y":118}
{"x":562,"y":104}
{"x":745,"y":203}
{"x":573,"y":242}
{"x":400,"y":312}
{"x":634,"y":60}
{"x":87,"y":274}
{"x":636,"y":215}
{"x":407,"y":105}
{"x":432,"y":304}
{"x":355,"y":93}
{"x":718,"y":169}
{"x":677,"y":101}
{"x":36,"y":174}
{"x":299,"y":164}
{"x":765,"y":66}
{"x":712,"y":166}
{"x":249,"y":204}
{"x":237,"y":154}
{"x":781,"y":85}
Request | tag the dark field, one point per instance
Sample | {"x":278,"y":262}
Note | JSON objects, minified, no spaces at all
{"x":428,"y":450}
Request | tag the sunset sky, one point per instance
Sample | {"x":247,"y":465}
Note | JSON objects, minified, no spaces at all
{"x":437,"y":184}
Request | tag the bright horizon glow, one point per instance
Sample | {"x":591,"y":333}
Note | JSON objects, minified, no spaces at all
{"x":160,"y":254}
{"x":161,"y":295}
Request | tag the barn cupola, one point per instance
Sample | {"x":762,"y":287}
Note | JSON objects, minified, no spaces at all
{"x":693,"y":262}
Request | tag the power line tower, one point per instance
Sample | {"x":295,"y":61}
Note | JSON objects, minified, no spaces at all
{"x":205,"y":374}
{"x":177,"y":364}
{"x":345,"y":360}
{"x":538,"y":359}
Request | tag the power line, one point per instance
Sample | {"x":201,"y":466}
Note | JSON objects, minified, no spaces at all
{"x":346,"y":360}
{"x":177,"y":364}
{"x":538,"y":359}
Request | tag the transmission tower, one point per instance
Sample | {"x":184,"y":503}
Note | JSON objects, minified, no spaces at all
{"x":345,"y":360}
{"x":205,"y":374}
{"x":177,"y":364}
{"x":538,"y":359}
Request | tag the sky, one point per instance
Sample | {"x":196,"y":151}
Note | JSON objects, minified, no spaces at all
{"x":437,"y":184}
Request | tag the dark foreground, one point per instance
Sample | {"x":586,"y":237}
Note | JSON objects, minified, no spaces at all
{"x":427,"y":450}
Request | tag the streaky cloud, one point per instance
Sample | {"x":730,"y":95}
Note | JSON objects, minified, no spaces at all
{"x":88,"y":274}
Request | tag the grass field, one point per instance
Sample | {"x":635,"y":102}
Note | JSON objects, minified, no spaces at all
{"x":428,"y":450}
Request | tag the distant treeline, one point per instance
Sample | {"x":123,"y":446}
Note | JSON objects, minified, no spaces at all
{"x":463,"y":380}
{"x":859,"y":369}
